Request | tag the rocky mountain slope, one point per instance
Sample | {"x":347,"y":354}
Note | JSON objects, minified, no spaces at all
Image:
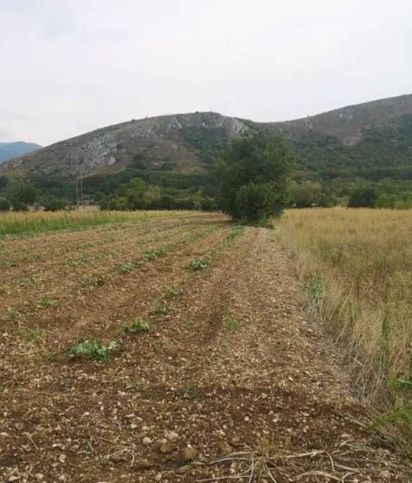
{"x":178,"y":141}
{"x":349,"y":124}
{"x":367,"y":142}
{"x":19,"y":148}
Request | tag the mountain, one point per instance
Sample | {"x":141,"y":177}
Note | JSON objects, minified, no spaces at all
{"x":370,"y":141}
{"x":19,"y":148}
{"x":183,"y":141}
{"x":348,"y":124}
{"x":354,"y":145}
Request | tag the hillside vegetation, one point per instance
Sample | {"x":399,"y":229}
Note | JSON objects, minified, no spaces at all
{"x":363,"y":146}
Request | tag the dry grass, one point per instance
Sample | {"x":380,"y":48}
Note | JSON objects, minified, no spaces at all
{"x":357,"y":268}
{"x":40,"y":221}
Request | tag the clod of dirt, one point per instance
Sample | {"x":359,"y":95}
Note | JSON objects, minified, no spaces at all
{"x":235,"y":441}
{"x":224,"y":449}
{"x":185,"y":455}
{"x":147,"y":441}
{"x":168,"y":447}
{"x":172,"y":436}
{"x":118,"y":458}
{"x":385,"y":475}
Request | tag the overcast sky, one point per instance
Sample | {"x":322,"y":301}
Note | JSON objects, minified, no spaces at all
{"x":71,"y":66}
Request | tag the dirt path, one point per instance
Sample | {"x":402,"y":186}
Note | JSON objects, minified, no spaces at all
{"x":235,"y":371}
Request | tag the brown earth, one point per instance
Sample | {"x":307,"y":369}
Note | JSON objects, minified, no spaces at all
{"x":233,"y":382}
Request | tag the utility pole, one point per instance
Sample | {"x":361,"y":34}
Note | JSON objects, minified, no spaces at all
{"x":77,"y":192}
{"x":81,"y":190}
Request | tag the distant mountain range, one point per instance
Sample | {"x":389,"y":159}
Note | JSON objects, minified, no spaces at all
{"x":370,"y":141}
{"x":19,"y":148}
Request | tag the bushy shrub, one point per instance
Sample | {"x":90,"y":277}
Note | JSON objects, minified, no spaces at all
{"x":4,"y":204}
{"x":54,"y":204}
{"x":20,"y":206}
{"x":363,"y":198}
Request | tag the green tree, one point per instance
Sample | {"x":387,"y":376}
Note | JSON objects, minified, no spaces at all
{"x":117,"y":203}
{"x":306,"y":194}
{"x":363,"y":198}
{"x":258,"y":202}
{"x":54,"y":204}
{"x":20,"y":190}
{"x":4,"y":204}
{"x":251,"y":177}
{"x":20,"y":206}
{"x":4,"y":180}
{"x":151,"y":197}
{"x":134,"y":193}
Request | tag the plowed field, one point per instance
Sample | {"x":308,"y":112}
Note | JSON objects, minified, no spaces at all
{"x":229,"y":379}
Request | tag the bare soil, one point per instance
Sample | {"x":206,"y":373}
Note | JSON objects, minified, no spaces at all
{"x":233,"y":382}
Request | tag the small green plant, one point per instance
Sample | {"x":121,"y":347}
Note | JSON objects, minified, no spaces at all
{"x":401,"y":417}
{"x":403,"y":384}
{"x":235,"y":232}
{"x":137,"y":326}
{"x":27,"y":281}
{"x":89,"y":281}
{"x":232,"y":324}
{"x":127,"y":267}
{"x":199,"y":264}
{"x":172,"y":292}
{"x":154,"y":253}
{"x":188,"y":391}
{"x":45,"y":302}
{"x":314,"y":289}
{"x":160,"y":310}
{"x":137,"y":385}
{"x":93,"y":350}
{"x":11,"y":314}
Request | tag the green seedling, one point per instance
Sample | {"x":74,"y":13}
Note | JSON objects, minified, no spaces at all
{"x":154,"y":253}
{"x":173,"y":292}
{"x":45,"y":302}
{"x":199,"y":264}
{"x":27,"y":281}
{"x":93,"y":350}
{"x":160,"y":310}
{"x":11,"y":314}
{"x":127,"y":267}
{"x":137,"y":326}
{"x":137,"y":385}
{"x":232,"y":324}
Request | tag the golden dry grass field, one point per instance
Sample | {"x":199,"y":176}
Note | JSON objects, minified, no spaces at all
{"x":356,"y":266}
{"x":179,"y":347}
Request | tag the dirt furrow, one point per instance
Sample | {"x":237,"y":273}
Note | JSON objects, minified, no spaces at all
{"x":75,"y":280}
